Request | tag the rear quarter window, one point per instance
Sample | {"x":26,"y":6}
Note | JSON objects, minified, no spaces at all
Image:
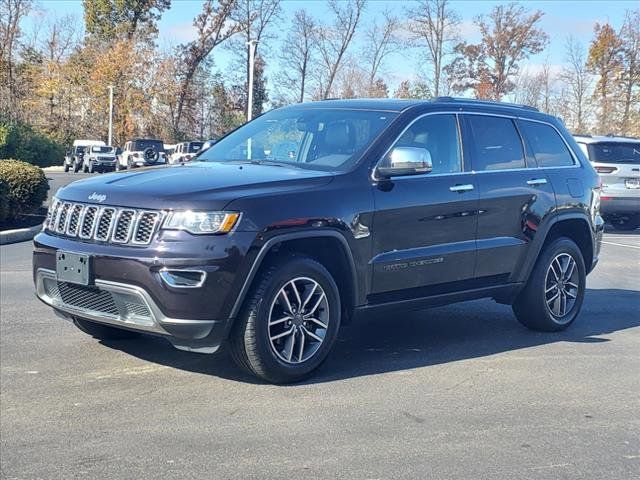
{"x":547,"y":146}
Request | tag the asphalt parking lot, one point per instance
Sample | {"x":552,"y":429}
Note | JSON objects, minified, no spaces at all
{"x":457,"y":392}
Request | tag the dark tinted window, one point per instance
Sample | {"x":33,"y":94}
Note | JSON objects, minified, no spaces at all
{"x":611,"y":152}
{"x":194,"y":147}
{"x":547,"y":146}
{"x":439,"y":135}
{"x":139,"y":145}
{"x":496,"y":143}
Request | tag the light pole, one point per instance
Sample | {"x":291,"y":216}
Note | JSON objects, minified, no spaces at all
{"x":252,"y":53}
{"x":110,"y":113}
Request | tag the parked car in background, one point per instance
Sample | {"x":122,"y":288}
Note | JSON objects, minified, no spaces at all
{"x":315,"y":214}
{"x":617,"y":161}
{"x":142,"y":152}
{"x":169,"y":149}
{"x":74,"y":157}
{"x":207,"y":145}
{"x":99,"y":158}
{"x":185,"y":151}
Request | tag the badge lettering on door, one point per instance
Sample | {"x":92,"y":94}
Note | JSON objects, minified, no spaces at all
{"x":394,"y":267}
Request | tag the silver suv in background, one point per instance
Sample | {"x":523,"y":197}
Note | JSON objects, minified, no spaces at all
{"x":617,"y":161}
{"x":99,"y":158}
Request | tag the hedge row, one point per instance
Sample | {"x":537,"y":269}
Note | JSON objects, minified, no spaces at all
{"x":21,"y":141}
{"x":23,"y":189}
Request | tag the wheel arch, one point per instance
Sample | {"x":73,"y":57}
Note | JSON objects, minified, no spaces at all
{"x":575,"y":226}
{"x":320,"y":245}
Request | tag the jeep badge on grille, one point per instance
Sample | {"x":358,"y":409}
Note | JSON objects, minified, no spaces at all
{"x":97,"y":197}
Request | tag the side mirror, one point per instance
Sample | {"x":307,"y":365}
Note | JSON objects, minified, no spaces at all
{"x":406,"y":161}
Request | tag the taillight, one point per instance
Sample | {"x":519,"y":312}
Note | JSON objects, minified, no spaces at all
{"x":600,"y":169}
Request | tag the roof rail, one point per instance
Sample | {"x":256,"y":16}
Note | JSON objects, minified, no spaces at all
{"x":483,"y":102}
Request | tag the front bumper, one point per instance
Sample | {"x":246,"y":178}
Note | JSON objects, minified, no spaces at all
{"x":128,"y":290}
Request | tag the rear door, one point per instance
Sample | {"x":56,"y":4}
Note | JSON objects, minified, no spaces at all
{"x":424,"y":225}
{"x":514,"y":195}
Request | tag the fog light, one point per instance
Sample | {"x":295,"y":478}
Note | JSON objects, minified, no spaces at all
{"x":183,"y":278}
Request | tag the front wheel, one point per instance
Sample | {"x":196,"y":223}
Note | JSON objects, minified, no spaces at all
{"x":289,"y":321}
{"x":66,"y":167}
{"x":553,"y":296}
{"x":76,"y":167}
{"x":103,"y":332}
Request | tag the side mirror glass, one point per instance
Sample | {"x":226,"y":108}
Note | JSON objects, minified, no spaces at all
{"x":406,"y":161}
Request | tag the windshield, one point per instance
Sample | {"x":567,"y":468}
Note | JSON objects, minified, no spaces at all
{"x":613,"y":152}
{"x":194,"y":147}
{"x":140,"y":145}
{"x":81,"y":149}
{"x":102,"y":149}
{"x":319,"y":139}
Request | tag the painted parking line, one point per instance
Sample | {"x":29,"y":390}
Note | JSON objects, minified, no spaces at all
{"x":622,"y":245}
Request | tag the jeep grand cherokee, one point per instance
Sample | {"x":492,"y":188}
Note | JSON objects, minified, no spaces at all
{"x":314,"y":214}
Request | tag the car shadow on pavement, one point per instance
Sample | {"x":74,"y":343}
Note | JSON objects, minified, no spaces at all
{"x":379,"y":344}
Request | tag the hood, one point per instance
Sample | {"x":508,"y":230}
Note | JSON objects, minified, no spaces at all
{"x":200,"y":185}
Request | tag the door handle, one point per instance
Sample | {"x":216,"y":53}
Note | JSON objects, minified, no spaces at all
{"x":461,"y":188}
{"x":537,"y":181}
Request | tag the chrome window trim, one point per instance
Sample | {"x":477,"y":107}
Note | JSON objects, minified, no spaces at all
{"x":459,"y":112}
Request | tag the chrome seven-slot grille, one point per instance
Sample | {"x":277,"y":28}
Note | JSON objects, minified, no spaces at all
{"x":102,"y":223}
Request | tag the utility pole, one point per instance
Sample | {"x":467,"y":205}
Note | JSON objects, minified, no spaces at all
{"x":252,"y":53}
{"x":110,"y":114}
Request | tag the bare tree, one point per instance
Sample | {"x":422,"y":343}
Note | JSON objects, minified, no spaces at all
{"x":381,"y":40}
{"x":297,"y":54}
{"x":630,"y":78}
{"x":334,"y":41}
{"x":509,"y":36}
{"x":435,"y":26}
{"x":256,"y":18}
{"x":578,"y":81}
{"x":11,"y":14}
{"x":214,"y":26}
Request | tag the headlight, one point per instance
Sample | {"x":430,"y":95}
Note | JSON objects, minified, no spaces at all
{"x":201,"y":222}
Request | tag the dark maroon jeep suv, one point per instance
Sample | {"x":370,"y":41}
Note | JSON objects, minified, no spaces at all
{"x":314,"y":214}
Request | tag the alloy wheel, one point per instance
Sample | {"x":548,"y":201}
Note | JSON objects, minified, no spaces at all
{"x":561,"y":285}
{"x":298,"y":320}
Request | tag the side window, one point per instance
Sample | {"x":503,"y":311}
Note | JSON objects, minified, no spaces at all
{"x":495,"y":142}
{"x":546,"y":144}
{"x":439,"y":135}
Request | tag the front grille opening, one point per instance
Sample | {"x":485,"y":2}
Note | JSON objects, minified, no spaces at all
{"x":87,"y":298}
{"x":103,"y":224}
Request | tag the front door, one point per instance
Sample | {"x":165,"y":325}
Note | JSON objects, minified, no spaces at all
{"x":424,"y":225}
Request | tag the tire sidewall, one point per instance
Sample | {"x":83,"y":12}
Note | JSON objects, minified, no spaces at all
{"x":298,"y":267}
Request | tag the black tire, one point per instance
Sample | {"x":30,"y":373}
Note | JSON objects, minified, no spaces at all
{"x":531,"y":306}
{"x":103,"y":332}
{"x":76,"y":167}
{"x":66,"y":167}
{"x":249,"y":341}
{"x":626,"y":224}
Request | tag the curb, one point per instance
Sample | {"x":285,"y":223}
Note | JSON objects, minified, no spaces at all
{"x":19,"y":234}
{"x":54,"y":169}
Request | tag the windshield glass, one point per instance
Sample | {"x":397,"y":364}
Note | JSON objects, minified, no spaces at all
{"x":140,"y":145}
{"x":315,"y":138}
{"x":81,"y":149}
{"x":613,"y":152}
{"x":194,"y":147}
{"x":102,"y":149}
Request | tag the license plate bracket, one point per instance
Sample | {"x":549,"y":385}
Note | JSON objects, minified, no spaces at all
{"x":74,"y":268}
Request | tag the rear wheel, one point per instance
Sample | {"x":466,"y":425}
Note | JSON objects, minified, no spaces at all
{"x":289,"y":322}
{"x":66,"y":167}
{"x":76,"y":167}
{"x":103,"y":332}
{"x":553,"y":296}
{"x":626,"y":223}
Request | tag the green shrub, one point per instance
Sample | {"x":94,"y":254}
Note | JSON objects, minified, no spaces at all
{"x":23,"y":188}
{"x":23,"y":142}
